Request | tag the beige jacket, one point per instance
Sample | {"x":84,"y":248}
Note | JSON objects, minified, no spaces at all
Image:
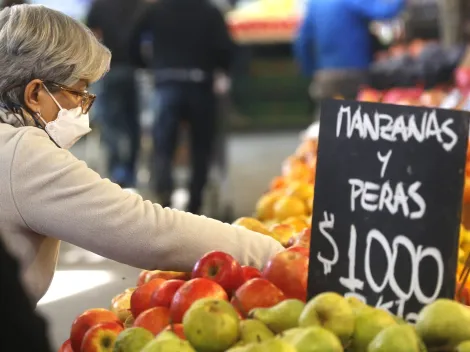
{"x":47,"y":195}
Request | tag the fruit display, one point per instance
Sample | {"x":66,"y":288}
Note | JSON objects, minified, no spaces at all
{"x":267,"y":313}
{"x":223,"y":306}
{"x":264,"y":21}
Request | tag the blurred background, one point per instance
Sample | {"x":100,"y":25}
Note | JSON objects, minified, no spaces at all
{"x":285,"y":60}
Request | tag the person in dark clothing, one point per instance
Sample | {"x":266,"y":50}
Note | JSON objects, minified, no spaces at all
{"x":24,"y":328}
{"x":110,"y":20}
{"x":190,"y":43}
{"x":6,"y":3}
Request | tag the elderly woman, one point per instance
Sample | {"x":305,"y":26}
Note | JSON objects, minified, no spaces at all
{"x":47,"y":61}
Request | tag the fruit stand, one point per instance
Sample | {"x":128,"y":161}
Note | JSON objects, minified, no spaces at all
{"x":222,"y":306}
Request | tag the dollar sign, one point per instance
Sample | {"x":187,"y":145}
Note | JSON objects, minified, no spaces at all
{"x":328,"y":223}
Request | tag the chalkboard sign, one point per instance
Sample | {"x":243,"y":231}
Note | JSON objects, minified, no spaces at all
{"x":388,"y":198}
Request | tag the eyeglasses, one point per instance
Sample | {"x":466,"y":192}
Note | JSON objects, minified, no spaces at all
{"x":86,"y":99}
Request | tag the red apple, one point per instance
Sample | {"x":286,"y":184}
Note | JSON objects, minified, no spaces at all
{"x":250,"y":273}
{"x":101,"y":337}
{"x":256,"y":293}
{"x":303,"y":239}
{"x":190,"y":292}
{"x":176,"y":329}
{"x":163,"y":295}
{"x":140,"y":299}
{"x":288,"y":270}
{"x":302,"y":250}
{"x":66,"y":347}
{"x":153,"y":319}
{"x":142,"y":279}
{"x":221,"y":268}
{"x":85,"y":321}
{"x":168,"y":275}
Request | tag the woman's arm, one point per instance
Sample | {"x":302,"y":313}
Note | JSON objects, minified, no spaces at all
{"x":59,"y":196}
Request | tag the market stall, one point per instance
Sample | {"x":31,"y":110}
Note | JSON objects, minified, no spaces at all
{"x":222,"y":306}
{"x":267,"y":91}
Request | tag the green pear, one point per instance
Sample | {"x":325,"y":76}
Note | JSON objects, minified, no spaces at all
{"x":132,"y":340}
{"x":396,"y":338}
{"x":444,"y":324}
{"x":211,"y":328}
{"x":165,"y":335}
{"x":312,"y":339}
{"x":368,"y":323}
{"x":222,"y":304}
{"x":283,"y":316}
{"x":463,"y":347}
{"x":331,"y":311}
{"x":251,"y":347}
{"x":129,"y":323}
{"x":168,"y":345}
{"x":254,"y":331}
{"x":275,"y":345}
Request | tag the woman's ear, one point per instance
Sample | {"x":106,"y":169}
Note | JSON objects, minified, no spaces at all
{"x":31,"y":95}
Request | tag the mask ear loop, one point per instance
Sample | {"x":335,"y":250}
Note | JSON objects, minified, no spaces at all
{"x":53,"y":98}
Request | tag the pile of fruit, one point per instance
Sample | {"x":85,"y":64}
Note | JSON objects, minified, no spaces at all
{"x":222,"y":306}
{"x":161,"y":302}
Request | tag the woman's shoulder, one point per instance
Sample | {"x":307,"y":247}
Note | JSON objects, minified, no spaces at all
{"x":9,"y":133}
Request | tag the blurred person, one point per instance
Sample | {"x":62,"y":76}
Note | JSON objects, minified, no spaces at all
{"x":49,"y":195}
{"x":6,"y":3}
{"x":110,"y":20}
{"x":24,"y":328}
{"x":334,"y":44}
{"x":190,"y":43}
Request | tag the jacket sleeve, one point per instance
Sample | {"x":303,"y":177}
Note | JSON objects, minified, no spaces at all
{"x":303,"y":44}
{"x":223,"y":44}
{"x":59,"y":196}
{"x":93,"y":16}
{"x":140,"y":25}
{"x":28,"y":328}
{"x":377,"y":9}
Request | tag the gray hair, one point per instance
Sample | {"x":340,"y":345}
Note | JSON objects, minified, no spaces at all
{"x":40,"y":43}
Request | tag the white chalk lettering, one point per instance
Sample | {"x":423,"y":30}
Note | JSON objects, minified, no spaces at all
{"x":377,"y":197}
{"x":328,"y":223}
{"x":402,"y":128}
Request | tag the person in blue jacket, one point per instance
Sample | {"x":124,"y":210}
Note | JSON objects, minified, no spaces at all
{"x":334,"y":45}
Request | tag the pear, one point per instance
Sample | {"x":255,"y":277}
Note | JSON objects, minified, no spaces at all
{"x":463,"y":347}
{"x":312,"y":339}
{"x":356,"y":304}
{"x":368,"y":323}
{"x":166,"y":335}
{"x":168,"y":345}
{"x":254,"y":331}
{"x":132,"y":340}
{"x":396,"y":338}
{"x":251,"y":347}
{"x":211,"y":327}
{"x":283,"y":316}
{"x":275,"y":345}
{"x":222,"y":304}
{"x":129,"y":322}
{"x":444,"y":324}
{"x":331,"y":311}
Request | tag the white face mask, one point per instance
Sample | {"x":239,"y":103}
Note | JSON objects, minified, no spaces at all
{"x":69,"y":127}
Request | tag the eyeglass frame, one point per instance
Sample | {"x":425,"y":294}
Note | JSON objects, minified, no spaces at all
{"x":84,"y":94}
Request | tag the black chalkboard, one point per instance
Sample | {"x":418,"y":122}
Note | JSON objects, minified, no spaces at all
{"x":388,"y":198}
